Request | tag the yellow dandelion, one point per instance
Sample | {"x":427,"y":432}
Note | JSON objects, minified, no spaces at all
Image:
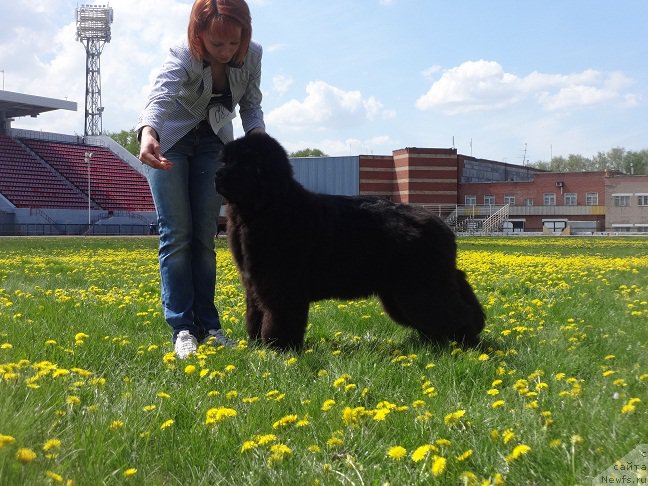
{"x":314,"y":448}
{"x":190,"y":369}
{"x":334,"y":442}
{"x":438,"y":465}
{"x":166,"y":424}
{"x":507,"y":436}
{"x":25,"y":455}
{"x":248,"y":445}
{"x":57,"y":478}
{"x":149,"y":408}
{"x":279,"y":451}
{"x":131,"y":471}
{"x":493,"y":391}
{"x":454,"y":417}
{"x":327,"y":405}
{"x":396,"y":452}
{"x":116,"y":424}
{"x":498,"y":404}
{"x":464,"y":456}
{"x":284,"y":421}
{"x":265,"y":438}
{"x":6,"y":440}
{"x":72,"y":400}
{"x":483,"y":357}
{"x":51,"y":444}
{"x":518,"y":450}
{"x":163,"y":395}
{"x":421,"y":452}
{"x":216,"y":415}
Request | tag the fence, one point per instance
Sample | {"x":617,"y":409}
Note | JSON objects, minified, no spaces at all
{"x":13,"y":229}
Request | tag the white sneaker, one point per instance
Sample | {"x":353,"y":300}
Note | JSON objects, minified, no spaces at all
{"x":217,"y":336}
{"x":185,"y":344}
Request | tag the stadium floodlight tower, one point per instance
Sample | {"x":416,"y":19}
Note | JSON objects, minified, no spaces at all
{"x":93,"y":31}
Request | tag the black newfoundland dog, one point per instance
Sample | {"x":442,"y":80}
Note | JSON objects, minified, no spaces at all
{"x":293,"y":247}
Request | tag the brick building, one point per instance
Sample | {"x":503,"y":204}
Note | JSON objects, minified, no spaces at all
{"x":468,"y":190}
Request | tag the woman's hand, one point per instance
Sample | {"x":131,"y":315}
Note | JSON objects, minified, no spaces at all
{"x":150,"y":150}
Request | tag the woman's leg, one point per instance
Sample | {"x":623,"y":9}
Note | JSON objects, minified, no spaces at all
{"x":171,"y":194}
{"x":205,"y":207}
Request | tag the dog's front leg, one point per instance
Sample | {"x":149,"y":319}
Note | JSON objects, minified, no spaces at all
{"x":253,"y":316}
{"x":284,"y":328}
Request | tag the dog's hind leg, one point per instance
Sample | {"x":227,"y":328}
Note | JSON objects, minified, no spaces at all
{"x":284,"y":328}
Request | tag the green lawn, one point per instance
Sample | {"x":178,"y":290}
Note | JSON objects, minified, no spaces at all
{"x":91,"y":393}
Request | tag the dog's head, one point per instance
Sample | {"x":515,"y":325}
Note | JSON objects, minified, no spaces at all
{"x":255,"y":169}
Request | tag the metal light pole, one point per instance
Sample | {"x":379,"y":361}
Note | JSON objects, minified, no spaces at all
{"x":88,"y":156}
{"x":93,"y":31}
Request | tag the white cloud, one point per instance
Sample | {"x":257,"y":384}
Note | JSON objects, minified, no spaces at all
{"x":326,"y":106}
{"x":281,"y":83}
{"x":349,"y":146}
{"x":485,"y":86}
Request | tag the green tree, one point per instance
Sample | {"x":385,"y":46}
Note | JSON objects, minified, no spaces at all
{"x":616,"y":158}
{"x":127,"y":139}
{"x":308,"y":152}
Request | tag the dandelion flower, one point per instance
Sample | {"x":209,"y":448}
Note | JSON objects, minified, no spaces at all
{"x":284,"y":421}
{"x":131,"y":471}
{"x":6,"y":440}
{"x":421,"y":452}
{"x":116,"y":424}
{"x":166,"y":424}
{"x":498,"y":403}
{"x":396,"y":452}
{"x":25,"y":455}
{"x":279,"y":451}
{"x":190,"y":369}
{"x":518,"y":451}
{"x":454,"y":417}
{"x":57,"y":478}
{"x":464,"y":456}
{"x":216,"y":415}
{"x":438,"y":465}
{"x":51,"y":444}
{"x":327,"y":405}
{"x":248,"y":445}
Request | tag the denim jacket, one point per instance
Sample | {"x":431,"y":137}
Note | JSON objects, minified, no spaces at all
{"x":182,"y":90}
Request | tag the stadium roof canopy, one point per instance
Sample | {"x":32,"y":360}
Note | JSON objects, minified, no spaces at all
{"x":14,"y":105}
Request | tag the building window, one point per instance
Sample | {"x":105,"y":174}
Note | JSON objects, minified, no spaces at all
{"x":642,"y":200}
{"x":489,"y":200}
{"x":470,"y":200}
{"x":549,"y":198}
{"x":591,"y":198}
{"x":528,"y":202}
{"x":509,"y":200}
{"x":570,"y":199}
{"x":622,"y":201}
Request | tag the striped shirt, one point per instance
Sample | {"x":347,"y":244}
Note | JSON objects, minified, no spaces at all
{"x":181,"y":95}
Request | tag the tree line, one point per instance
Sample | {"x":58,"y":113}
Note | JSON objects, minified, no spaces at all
{"x":626,"y":161}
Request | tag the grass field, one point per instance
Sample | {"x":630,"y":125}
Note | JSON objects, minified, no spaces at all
{"x":90,"y":392}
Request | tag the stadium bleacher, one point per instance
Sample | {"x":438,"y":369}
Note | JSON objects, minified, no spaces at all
{"x":114,"y":185}
{"x":27,"y":182}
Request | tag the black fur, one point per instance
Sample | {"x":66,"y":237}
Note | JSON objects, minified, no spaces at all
{"x":293,"y":247}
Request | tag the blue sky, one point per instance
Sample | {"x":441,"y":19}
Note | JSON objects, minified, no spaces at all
{"x":495,"y":78}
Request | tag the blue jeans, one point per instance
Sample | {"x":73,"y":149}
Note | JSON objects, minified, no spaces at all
{"x":188,"y":206}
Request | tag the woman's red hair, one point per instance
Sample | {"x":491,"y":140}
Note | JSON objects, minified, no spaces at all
{"x":221,"y":17}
